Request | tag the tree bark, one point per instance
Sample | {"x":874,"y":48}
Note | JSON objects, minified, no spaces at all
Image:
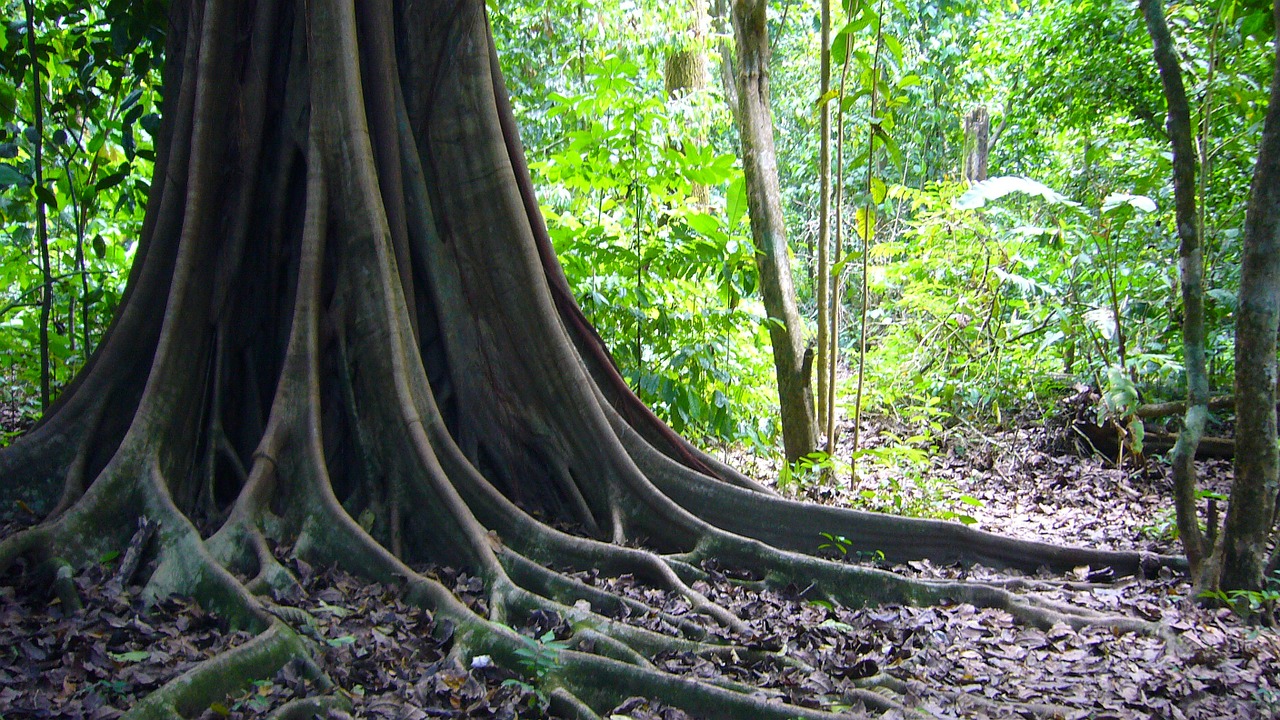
{"x":685,"y":70}
{"x":768,"y":228}
{"x":1253,"y":492}
{"x":977,"y":144}
{"x":1191,"y":275}
{"x":824,"y":213}
{"x":42,"y":225}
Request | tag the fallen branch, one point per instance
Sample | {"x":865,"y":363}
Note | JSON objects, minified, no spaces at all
{"x":1178,"y":407}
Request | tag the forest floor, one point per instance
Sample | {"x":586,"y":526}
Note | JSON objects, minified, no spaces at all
{"x":953,"y":661}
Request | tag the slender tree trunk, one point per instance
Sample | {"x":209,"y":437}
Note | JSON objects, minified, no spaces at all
{"x":823,"y":282}
{"x":42,"y":225}
{"x":768,"y":229}
{"x":728,"y":69}
{"x":836,"y":295}
{"x":1191,"y":274}
{"x":977,"y":137}
{"x":1253,"y":493}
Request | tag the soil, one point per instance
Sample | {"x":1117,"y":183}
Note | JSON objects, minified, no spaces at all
{"x":392,"y":661}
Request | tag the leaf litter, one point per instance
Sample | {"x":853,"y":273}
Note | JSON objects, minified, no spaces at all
{"x":392,"y":660}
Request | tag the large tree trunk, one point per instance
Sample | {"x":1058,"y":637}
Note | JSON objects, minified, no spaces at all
{"x":345,"y":305}
{"x":1253,"y":492}
{"x":1191,"y":276}
{"x":768,"y":228}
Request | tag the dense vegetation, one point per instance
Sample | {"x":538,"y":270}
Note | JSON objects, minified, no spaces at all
{"x":96,"y":106}
{"x":977,"y":303}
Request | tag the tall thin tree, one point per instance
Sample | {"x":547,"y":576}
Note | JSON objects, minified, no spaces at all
{"x":1191,"y":279}
{"x":768,"y":228}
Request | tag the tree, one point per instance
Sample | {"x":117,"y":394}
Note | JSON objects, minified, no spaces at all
{"x":685,"y":69}
{"x":823,"y":281}
{"x":1243,"y":545}
{"x":1191,"y":280}
{"x":368,"y":353}
{"x":768,"y":228}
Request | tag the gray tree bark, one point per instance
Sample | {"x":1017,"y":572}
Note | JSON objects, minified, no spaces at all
{"x":1253,"y":493}
{"x":768,"y":228}
{"x":977,"y":144}
{"x":1191,"y":274}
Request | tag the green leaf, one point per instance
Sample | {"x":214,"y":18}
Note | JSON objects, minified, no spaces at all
{"x":9,"y":176}
{"x":865,"y":223}
{"x":1225,"y":298}
{"x":131,"y":98}
{"x":133,"y":656}
{"x":150,"y":122}
{"x":995,"y":188}
{"x":1137,"y":432}
{"x":8,"y":100}
{"x":890,"y":145}
{"x":703,"y":223}
{"x":894,"y":46}
{"x":99,"y":247}
{"x":111,"y":180}
{"x":341,"y":641}
{"x":1141,"y":203}
{"x":736,"y":199}
{"x":46,"y":195}
{"x":878,"y":190}
{"x":826,"y":97}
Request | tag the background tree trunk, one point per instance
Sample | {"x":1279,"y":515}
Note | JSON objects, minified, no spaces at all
{"x":977,"y":137}
{"x":1191,"y":276}
{"x":823,"y":281}
{"x":685,"y":70}
{"x":768,"y":229}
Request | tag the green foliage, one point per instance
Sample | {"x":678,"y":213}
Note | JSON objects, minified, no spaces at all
{"x":809,"y":471}
{"x":1163,"y":528}
{"x":665,"y":277}
{"x":979,"y":295}
{"x":1249,"y":603}
{"x":838,"y":543}
{"x":100,"y":103}
{"x":540,"y":657}
{"x":983,"y":291}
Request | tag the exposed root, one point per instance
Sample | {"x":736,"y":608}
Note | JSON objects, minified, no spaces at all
{"x":566,"y":704}
{"x":961,"y":700}
{"x":64,"y":587}
{"x":213,"y":680}
{"x":308,"y":708}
